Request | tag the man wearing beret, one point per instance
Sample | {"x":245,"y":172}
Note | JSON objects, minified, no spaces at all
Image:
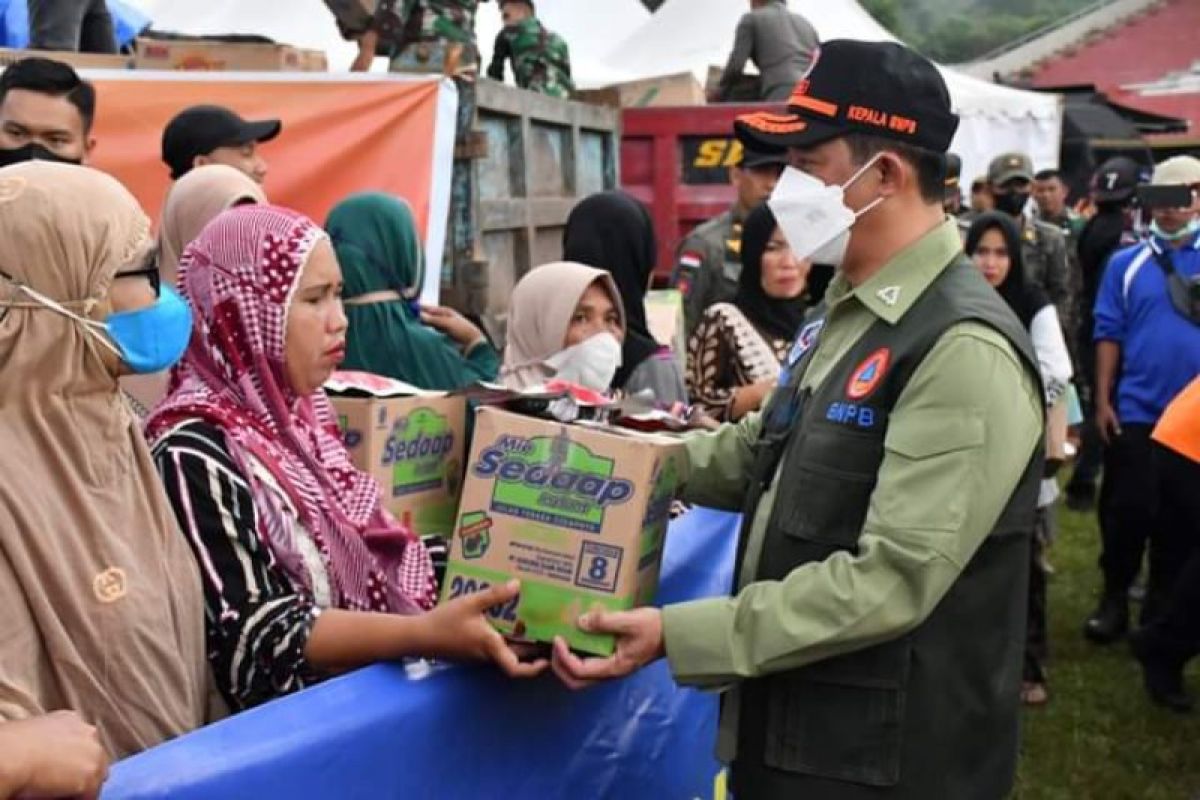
{"x":872,"y":647}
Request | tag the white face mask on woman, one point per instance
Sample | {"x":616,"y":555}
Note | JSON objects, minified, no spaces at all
{"x":592,"y":363}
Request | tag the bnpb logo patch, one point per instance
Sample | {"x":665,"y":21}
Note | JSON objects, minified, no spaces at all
{"x":869,"y":374}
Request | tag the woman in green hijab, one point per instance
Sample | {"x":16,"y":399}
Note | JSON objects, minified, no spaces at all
{"x":383,"y":267}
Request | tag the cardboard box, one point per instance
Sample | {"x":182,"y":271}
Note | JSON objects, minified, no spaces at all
{"x":664,"y":314}
{"x":76,"y":60}
{"x":183,"y":54}
{"x":577,"y":513}
{"x":746,"y":88}
{"x":412,"y":444}
{"x":681,"y":89}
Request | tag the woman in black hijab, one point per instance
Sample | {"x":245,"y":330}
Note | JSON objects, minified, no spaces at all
{"x":613,"y":232}
{"x":1001,"y":261}
{"x":735,"y":353}
{"x":994,"y":244}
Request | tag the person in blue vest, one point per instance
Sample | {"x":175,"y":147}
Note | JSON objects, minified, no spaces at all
{"x":873,"y":645}
{"x":1147,"y":334}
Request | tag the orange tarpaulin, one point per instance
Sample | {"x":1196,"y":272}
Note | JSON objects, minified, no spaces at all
{"x":1179,"y":427}
{"x":341,"y":134}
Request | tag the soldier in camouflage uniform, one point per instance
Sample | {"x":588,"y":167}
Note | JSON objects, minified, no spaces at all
{"x":540,"y":58}
{"x":1044,"y":247}
{"x":427,"y":36}
{"x":417,"y":35}
{"x":710,"y":258}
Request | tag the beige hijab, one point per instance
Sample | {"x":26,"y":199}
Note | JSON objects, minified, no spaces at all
{"x":539,"y":315}
{"x":100,"y":602}
{"x":195,"y":200}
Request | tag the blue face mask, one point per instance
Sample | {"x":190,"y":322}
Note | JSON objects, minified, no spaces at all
{"x":148,"y":340}
{"x":153,"y":338}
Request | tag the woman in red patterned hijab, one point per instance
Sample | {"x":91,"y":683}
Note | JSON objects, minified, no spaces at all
{"x":305,"y":572}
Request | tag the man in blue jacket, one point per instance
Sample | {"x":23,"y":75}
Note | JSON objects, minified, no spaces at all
{"x":1147,"y":351}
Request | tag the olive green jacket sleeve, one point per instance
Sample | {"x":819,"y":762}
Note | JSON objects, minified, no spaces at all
{"x":719,"y":464}
{"x":958,"y":442}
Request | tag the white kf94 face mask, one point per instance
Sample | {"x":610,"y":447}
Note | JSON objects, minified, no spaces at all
{"x":591,"y":363}
{"x":813,"y":215}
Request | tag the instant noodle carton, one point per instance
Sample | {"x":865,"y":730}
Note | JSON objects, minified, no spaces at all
{"x":412,"y":442}
{"x":577,"y":512}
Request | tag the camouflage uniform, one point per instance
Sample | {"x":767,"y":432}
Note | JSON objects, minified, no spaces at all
{"x":429,"y":36}
{"x":406,"y":24}
{"x":708,"y":265}
{"x":1047,"y":263}
{"x":540,"y":58}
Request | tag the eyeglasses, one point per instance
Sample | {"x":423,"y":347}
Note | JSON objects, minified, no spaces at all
{"x":149,"y":271}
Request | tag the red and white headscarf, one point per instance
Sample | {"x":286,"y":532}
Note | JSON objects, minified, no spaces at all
{"x":239,"y":276}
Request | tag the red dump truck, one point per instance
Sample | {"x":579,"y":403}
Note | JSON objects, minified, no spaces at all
{"x":676,"y":161}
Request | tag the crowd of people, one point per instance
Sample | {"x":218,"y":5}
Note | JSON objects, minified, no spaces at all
{"x":184,"y":536}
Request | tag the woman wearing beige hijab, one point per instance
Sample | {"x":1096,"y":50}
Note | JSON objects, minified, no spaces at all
{"x":565,"y":321}
{"x":102,"y":607}
{"x":195,"y":200}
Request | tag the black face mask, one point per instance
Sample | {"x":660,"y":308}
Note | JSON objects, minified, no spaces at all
{"x":32,"y":152}
{"x":1011,"y":203}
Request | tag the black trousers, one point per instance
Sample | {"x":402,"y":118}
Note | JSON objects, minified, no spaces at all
{"x":83,"y":26}
{"x":1037,"y":643}
{"x":1134,"y":513}
{"x":1175,"y":633}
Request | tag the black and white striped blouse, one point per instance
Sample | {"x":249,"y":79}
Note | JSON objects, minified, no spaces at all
{"x":257,"y":624}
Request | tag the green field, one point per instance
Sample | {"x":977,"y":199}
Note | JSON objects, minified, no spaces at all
{"x":1100,"y":738}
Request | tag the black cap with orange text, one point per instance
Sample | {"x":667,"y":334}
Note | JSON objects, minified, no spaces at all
{"x":876,"y":88}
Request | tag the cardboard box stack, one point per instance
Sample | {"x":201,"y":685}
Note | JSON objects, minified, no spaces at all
{"x":578,"y":513}
{"x":76,"y":60}
{"x":681,"y":89}
{"x":412,"y":442}
{"x":203,"y":55}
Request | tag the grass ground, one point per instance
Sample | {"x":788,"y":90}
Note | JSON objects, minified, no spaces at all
{"x":1100,"y":738}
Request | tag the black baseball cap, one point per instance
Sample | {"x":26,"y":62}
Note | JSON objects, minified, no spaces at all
{"x":1116,"y":180}
{"x":877,"y":88}
{"x":752,"y":158}
{"x":199,"y":130}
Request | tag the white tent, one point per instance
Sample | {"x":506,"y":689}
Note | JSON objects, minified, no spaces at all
{"x":696,"y":34}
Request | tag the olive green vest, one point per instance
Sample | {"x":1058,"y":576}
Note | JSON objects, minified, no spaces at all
{"x":932,"y":714}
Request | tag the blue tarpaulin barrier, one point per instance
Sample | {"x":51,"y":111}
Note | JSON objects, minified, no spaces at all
{"x":467,"y":732}
{"x":128,"y":22}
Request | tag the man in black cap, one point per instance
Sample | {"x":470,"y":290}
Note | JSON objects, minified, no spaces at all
{"x":215,"y":135}
{"x":873,"y":647}
{"x":710,"y":258}
{"x":1111,"y":228}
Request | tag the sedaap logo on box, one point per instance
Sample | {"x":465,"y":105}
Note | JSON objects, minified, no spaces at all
{"x":416,"y":449}
{"x":552,"y":480}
